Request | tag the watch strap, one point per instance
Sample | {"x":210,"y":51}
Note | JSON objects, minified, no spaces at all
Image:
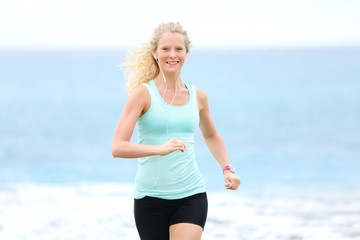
{"x":229,"y":167}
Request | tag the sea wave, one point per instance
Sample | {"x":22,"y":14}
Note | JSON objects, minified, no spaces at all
{"x":105,"y":211}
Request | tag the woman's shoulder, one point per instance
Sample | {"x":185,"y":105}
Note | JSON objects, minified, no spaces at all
{"x":139,"y":97}
{"x":139,"y":90}
{"x":140,"y":93}
{"x":201,"y":94}
{"x":202,"y":98}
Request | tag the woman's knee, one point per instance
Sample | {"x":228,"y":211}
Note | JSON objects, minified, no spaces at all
{"x":185,"y":231}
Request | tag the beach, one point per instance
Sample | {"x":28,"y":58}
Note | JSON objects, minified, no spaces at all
{"x":105,"y":211}
{"x":289,"y":119}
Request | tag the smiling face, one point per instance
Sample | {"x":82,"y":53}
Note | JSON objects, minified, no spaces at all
{"x":171,"y":52}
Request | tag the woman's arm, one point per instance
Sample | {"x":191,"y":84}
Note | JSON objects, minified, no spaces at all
{"x":214,"y":141}
{"x":137,"y":103}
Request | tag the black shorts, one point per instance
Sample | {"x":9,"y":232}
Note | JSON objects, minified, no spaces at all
{"x":154,"y":216}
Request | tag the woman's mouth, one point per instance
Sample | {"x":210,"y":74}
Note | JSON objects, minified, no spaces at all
{"x":172,"y":62}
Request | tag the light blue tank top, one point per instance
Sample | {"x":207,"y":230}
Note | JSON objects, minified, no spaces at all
{"x":175,"y":175}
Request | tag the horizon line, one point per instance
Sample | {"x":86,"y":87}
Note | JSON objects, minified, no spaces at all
{"x":126,"y":48}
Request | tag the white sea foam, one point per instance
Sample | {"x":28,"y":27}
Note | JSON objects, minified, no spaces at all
{"x":105,"y":211}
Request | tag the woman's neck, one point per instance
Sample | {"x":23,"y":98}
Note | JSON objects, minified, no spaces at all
{"x":171,"y":81}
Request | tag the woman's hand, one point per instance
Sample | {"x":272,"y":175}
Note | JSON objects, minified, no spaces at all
{"x":170,"y":146}
{"x":232,"y":181}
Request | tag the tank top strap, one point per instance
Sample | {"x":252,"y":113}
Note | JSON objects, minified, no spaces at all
{"x":151,"y":91}
{"x":153,"y":86}
{"x":147,"y":85}
{"x":192,"y":92}
{"x":154,"y":91}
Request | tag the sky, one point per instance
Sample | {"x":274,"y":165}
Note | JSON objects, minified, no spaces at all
{"x":116,"y":24}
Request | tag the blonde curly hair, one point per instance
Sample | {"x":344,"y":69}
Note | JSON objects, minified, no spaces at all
{"x":140,"y":66}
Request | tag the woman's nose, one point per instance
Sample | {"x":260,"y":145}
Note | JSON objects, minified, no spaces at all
{"x":172,"y":53}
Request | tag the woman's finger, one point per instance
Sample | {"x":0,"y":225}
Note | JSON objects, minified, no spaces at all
{"x":228,"y":185}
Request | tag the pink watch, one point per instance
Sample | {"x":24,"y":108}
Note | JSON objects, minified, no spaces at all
{"x":229,"y":167}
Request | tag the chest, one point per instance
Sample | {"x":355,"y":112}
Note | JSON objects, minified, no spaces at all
{"x":161,"y":119}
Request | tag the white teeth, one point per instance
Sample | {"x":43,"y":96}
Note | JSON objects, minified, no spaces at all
{"x":172,"y":63}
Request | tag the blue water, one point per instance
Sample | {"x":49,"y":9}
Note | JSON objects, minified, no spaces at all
{"x":289,"y":117}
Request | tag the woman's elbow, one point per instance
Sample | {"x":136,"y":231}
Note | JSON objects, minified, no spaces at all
{"x":122,"y":149}
{"x":115,"y":151}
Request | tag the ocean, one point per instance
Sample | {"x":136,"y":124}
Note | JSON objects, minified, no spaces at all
{"x":289,"y":118}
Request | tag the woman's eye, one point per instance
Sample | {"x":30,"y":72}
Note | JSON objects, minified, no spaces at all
{"x":165,"y":49}
{"x":179,"y":49}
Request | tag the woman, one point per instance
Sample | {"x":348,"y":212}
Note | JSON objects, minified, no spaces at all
{"x":170,"y":196}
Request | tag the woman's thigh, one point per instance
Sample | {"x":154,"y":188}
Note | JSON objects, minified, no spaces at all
{"x":151,"y":221}
{"x":192,"y":210}
{"x":154,"y":216}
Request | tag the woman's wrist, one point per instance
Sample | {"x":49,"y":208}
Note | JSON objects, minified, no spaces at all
{"x":229,"y":168}
{"x":156,"y":150}
{"x":227,"y":171}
